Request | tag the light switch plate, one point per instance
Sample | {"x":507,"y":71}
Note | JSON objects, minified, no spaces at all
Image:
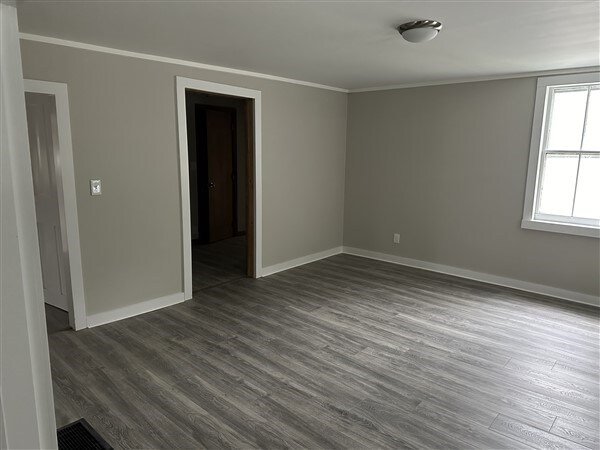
{"x":96,"y":187}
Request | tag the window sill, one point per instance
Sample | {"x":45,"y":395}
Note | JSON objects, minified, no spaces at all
{"x":556,"y":227}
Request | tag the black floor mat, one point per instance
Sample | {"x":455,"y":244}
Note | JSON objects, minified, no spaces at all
{"x":80,"y":435}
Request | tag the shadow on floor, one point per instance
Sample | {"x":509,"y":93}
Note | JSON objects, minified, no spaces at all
{"x":56,"y":319}
{"x":218,"y":263}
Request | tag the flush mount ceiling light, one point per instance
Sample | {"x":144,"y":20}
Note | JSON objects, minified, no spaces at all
{"x":420,"y":30}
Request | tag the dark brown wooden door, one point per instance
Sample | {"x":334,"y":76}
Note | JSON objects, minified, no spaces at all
{"x":221,"y":182}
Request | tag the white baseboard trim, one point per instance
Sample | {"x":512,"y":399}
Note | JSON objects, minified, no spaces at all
{"x":550,"y":291}
{"x":95,"y":320}
{"x":133,"y":310}
{"x":300,"y":261}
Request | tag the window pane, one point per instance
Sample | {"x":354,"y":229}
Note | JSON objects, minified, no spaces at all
{"x":587,"y":201}
{"x":591,"y":139}
{"x":566,"y":119}
{"x":558,"y":184}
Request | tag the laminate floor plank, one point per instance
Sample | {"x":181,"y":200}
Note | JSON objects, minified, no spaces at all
{"x":450,"y":315}
{"x":342,"y":353}
{"x":440,"y":380}
{"x":199,"y":383}
{"x":56,"y":319}
{"x":451,"y":422}
{"x":530,"y":435}
{"x":445,"y":289}
{"x":524,"y":371}
{"x":575,"y":432}
{"x":575,"y":373}
{"x":218,"y":262}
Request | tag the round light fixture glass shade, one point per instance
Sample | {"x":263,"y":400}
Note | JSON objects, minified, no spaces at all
{"x":417,"y":35}
{"x":420,"y":30}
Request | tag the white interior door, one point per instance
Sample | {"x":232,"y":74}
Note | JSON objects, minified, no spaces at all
{"x":43,"y":144}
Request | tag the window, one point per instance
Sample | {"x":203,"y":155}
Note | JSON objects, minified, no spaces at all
{"x":563,"y":183}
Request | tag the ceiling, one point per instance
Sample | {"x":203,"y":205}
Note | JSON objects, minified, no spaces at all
{"x":337,"y":43}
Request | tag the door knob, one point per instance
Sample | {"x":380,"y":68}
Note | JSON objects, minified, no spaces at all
{"x":211,"y":185}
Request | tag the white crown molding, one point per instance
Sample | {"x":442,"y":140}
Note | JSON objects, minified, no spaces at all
{"x":164,"y":59}
{"x":476,"y":79}
{"x":183,"y":62}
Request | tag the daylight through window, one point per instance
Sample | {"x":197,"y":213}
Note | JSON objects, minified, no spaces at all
{"x":567,"y":186}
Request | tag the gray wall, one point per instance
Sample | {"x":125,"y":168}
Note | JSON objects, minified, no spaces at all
{"x":123,"y":118}
{"x":445,"y":166}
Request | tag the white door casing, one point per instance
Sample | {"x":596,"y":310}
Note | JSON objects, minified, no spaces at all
{"x":72,"y":272}
{"x":181,"y":84}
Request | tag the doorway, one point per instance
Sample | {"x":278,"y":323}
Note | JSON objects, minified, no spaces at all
{"x":220,"y":148}
{"x":53,"y":176}
{"x":218,"y":153}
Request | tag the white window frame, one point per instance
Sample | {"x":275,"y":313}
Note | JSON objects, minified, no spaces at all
{"x":545,"y":222}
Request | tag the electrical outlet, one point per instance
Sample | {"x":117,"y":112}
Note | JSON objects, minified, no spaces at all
{"x":396,"y":238}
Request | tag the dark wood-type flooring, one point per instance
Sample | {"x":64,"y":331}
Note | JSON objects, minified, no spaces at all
{"x":218,"y":263}
{"x":56,"y":319}
{"x":342,"y":353}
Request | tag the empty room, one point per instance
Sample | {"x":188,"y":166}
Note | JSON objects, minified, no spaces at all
{"x":300,"y":224}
